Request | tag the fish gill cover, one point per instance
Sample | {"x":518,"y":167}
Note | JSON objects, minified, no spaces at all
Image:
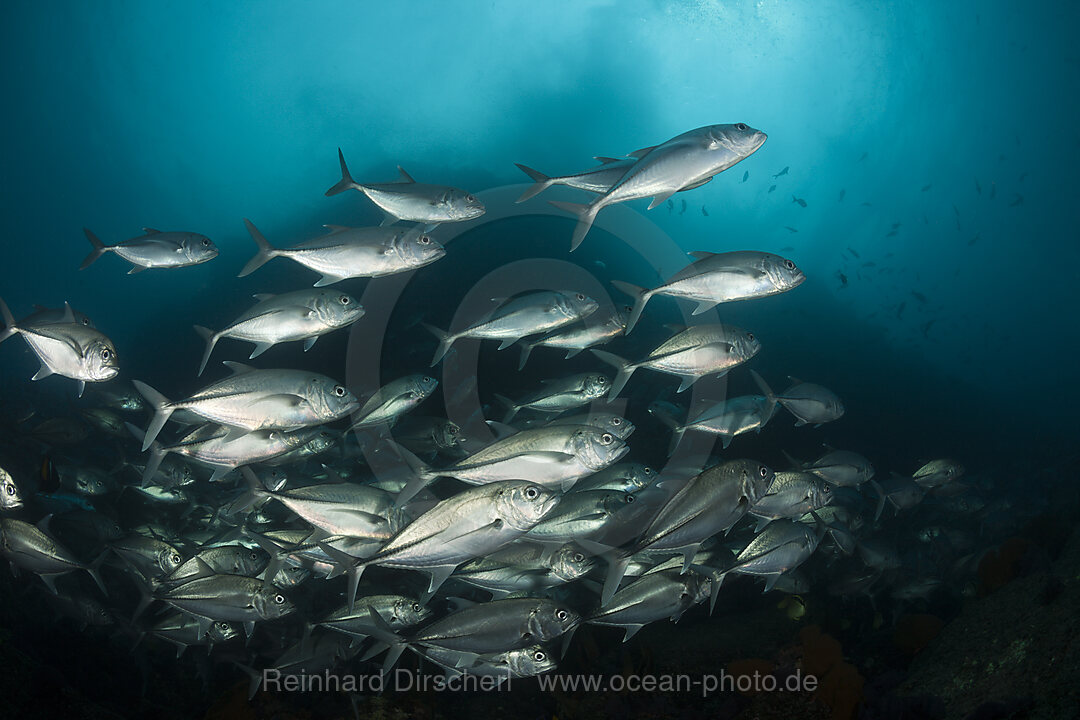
{"x":757,"y":259}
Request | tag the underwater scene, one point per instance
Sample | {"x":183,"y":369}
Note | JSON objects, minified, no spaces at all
{"x":689,"y":359}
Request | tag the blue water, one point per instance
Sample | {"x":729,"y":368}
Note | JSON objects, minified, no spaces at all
{"x":935,"y":145}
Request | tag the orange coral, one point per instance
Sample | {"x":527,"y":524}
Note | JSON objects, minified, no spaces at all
{"x":740,"y":668}
{"x":840,"y":686}
{"x":914,"y":632}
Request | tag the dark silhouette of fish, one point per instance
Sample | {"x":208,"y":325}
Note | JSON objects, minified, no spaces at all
{"x":802,"y":203}
{"x":683,"y":207}
{"x":869,"y":263}
{"x":974,"y":240}
{"x":782,"y":172}
{"x":926,"y":187}
{"x":704,"y":211}
{"x":843,"y":279}
{"x":786,"y":249}
{"x":843,"y":192}
{"x":892,"y":233}
{"x":1022,"y":176}
{"x":900,"y":310}
{"x":993,"y":189}
{"x":919,"y":296}
{"x":926,"y":327}
{"x":670,"y":206}
{"x":771,"y":188}
{"x":852,"y":251}
{"x":978,"y":187}
{"x":746,"y":176}
{"x":1018,"y":200}
{"x":864,"y":156}
{"x":956,"y":210}
{"x":788,"y":227}
{"x":865,"y":204}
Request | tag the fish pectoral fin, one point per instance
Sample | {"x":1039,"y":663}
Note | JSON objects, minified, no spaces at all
{"x":310,"y":342}
{"x":136,"y":269}
{"x":660,"y":199}
{"x":687,"y":381}
{"x":44,"y":372}
{"x":507,"y":343}
{"x":329,"y":279}
{"x":438,"y":576}
{"x":631,"y":631}
{"x":151,"y":231}
{"x":260,"y":348}
{"x":704,"y":306}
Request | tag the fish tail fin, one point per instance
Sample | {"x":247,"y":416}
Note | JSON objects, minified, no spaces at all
{"x":625,"y":370}
{"x":9,"y":322}
{"x":347,"y":564}
{"x":640,"y":295}
{"x":93,"y":570}
{"x":512,"y":408}
{"x":211,"y":339}
{"x":541,"y":182}
{"x":586,"y":213}
{"x":617,"y":565}
{"x":669,"y":420}
{"x":162,"y":411}
{"x":266,"y":251}
{"x":445,"y":341}
{"x":255,"y":491}
{"x":770,"y":396}
{"x":99,"y":249}
{"x":422,"y":474}
{"x":346,"y":182}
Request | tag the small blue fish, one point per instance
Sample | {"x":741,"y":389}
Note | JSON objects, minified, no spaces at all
{"x":782,"y":172}
{"x":746,"y":176}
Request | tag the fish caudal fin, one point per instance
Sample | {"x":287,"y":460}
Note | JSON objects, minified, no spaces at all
{"x":346,"y":182}
{"x":266,"y":251}
{"x":211,"y":339}
{"x":640,"y":295}
{"x":445,"y":341}
{"x":541,"y":183}
{"x":99,"y":249}
{"x":586,"y":214}
{"x":162,"y":411}
{"x":625,"y":370}
{"x":9,"y":322}
{"x":512,"y":408}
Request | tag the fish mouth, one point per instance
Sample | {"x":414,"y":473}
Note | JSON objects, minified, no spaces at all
{"x":758,"y":140}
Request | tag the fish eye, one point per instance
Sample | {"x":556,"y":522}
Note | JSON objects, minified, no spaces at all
{"x":416,"y":607}
{"x":789,"y":265}
{"x":616,"y":421}
{"x":578,"y":557}
{"x":607,"y":438}
{"x":630,"y":498}
{"x":425,"y":240}
{"x":344,"y":299}
{"x":580,"y":297}
{"x":106,"y":353}
{"x":741,"y":126}
{"x":749,"y":336}
{"x":222,"y":625}
{"x":279,"y":599}
{"x":470,"y":198}
{"x":206,"y":242}
{"x":339,"y":391}
{"x":427,"y":380}
{"x":539,"y":656}
{"x":175,"y":557}
{"x":10,"y":489}
{"x":531,"y":493}
{"x":254,"y":555}
{"x":763,"y":471}
{"x":827,"y":489}
{"x":561,"y":614}
{"x":647,"y":471}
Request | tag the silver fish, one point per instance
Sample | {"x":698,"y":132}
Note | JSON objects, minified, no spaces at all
{"x":394,"y":399}
{"x":514,"y":319}
{"x":811,"y":404}
{"x":666,"y":594}
{"x":559,"y":395}
{"x":257,"y":400}
{"x":31,"y":548}
{"x":410,"y":200}
{"x":155,"y":249}
{"x":70,"y":349}
{"x":692,"y":354}
{"x":302,"y":315}
{"x":690,"y":159}
{"x":575,"y":338}
{"x":715,"y":278}
{"x":352,"y":252}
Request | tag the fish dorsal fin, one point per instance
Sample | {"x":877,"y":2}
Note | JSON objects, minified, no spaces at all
{"x":642,"y":152}
{"x":675,"y":327}
{"x":237,"y":368}
{"x":43,"y":524}
{"x":606,"y":160}
{"x":405,"y":177}
{"x":151,"y":231}
{"x":336,"y":228}
{"x":263,"y":297}
{"x":69,"y":314}
{"x":700,"y":254}
{"x":795,"y":380}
